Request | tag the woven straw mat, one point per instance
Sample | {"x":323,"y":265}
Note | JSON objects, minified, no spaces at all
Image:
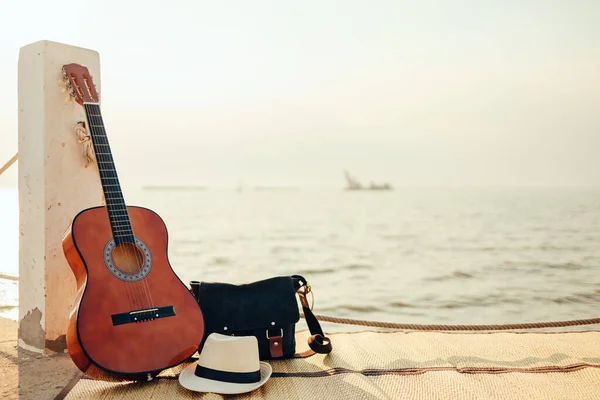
{"x":414,"y":365}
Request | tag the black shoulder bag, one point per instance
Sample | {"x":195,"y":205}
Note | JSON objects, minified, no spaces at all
{"x":266,"y":309}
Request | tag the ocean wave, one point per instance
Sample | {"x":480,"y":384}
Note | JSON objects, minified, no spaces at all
{"x":486,"y":300}
{"x":346,"y":267}
{"x":545,"y":247}
{"x":316,"y":271}
{"x":536,"y":266}
{"x":453,"y":304}
{"x":358,"y":278}
{"x":413,"y":314}
{"x":454,"y":275}
{"x":576,"y":298}
{"x":566,"y":266}
{"x":353,"y":308}
{"x":488,"y":249}
{"x":356,"y":267}
{"x":400,"y":304}
{"x":483,"y":249}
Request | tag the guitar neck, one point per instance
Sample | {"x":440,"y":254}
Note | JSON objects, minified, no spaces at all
{"x":115,"y":203}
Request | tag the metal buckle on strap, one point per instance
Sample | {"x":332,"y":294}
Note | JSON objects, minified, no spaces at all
{"x":304,"y":300}
{"x":280,"y":334}
{"x":307,"y":289}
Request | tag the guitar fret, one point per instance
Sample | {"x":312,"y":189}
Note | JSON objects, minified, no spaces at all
{"x":123,"y":235}
{"x":115,"y":203}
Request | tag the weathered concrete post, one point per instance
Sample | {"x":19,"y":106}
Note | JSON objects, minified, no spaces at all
{"x":54,"y":185}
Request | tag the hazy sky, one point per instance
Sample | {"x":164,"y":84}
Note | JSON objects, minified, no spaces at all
{"x":292,"y":93}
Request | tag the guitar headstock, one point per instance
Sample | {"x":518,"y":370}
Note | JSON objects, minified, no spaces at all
{"x":78,"y":84}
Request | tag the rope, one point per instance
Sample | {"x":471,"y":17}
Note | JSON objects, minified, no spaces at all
{"x":418,"y":327}
{"x":85,"y":139}
{"x":9,"y":163}
{"x":9,"y":277}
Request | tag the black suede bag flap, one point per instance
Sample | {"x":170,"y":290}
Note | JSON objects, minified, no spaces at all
{"x":270,"y":303}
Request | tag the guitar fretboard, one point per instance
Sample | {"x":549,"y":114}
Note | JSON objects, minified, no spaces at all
{"x":115,"y":203}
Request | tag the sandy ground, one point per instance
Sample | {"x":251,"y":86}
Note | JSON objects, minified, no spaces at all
{"x":8,"y":359}
{"x":27,"y":375}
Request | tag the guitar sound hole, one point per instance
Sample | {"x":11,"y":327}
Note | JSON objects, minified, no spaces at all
{"x":128,"y":258}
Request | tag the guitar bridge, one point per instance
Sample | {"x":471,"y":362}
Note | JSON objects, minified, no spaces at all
{"x":146,"y":314}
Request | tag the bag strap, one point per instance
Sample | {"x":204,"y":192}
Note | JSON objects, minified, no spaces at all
{"x":318,"y":342}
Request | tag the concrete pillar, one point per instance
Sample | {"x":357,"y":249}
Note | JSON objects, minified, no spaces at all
{"x":54,"y":185}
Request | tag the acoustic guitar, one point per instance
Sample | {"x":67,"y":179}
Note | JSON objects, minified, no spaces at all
{"x":133,"y":317}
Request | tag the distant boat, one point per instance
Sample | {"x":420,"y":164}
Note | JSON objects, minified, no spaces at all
{"x":353,"y":184}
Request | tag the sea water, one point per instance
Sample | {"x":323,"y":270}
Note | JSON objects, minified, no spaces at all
{"x":414,"y":255}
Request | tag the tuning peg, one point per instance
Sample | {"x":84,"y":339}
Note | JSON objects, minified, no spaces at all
{"x":69,"y":99}
{"x":62,"y":82}
{"x":66,"y":90}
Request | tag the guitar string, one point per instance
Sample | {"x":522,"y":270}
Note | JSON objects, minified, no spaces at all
{"x":105,"y":157}
{"x":132,"y":252}
{"x":142,"y":298}
{"x":102,"y":158}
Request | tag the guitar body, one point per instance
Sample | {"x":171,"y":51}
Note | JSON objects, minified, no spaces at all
{"x":112,"y":331}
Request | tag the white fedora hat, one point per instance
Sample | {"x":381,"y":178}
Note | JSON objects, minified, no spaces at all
{"x":227,"y":365}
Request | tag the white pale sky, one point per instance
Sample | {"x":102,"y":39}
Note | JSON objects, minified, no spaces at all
{"x":292,"y":93}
